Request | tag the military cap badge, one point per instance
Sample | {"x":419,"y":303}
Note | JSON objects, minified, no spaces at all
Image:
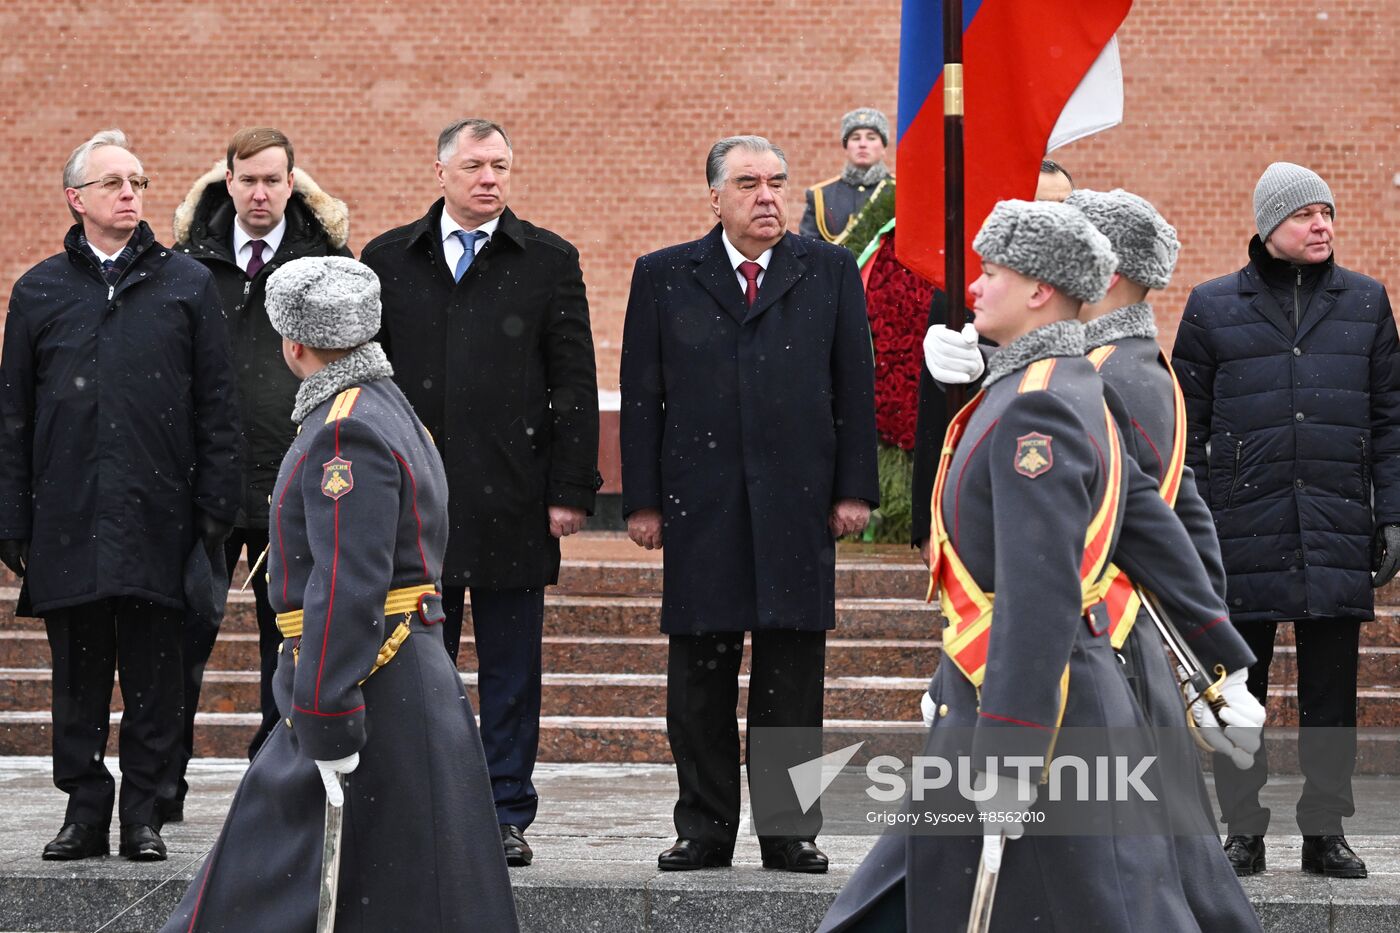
{"x":1034,"y":455}
{"x":336,"y":479}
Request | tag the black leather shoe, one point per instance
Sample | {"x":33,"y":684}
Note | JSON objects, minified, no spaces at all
{"x":1331,"y":856}
{"x":797,"y":855}
{"x":518,"y":851}
{"x":689,"y":854}
{"x":1246,"y":854}
{"x":141,"y":844}
{"x":75,"y":841}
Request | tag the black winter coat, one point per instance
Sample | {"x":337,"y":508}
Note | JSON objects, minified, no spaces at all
{"x":1294,"y":438}
{"x":744,"y":426}
{"x":317,"y":225}
{"x":119,"y":421}
{"x":500,"y":369}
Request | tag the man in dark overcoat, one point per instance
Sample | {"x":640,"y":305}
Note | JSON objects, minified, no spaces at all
{"x":748,"y":445}
{"x":377,"y":720}
{"x":242,"y":220}
{"x":1291,"y":373}
{"x":486,"y":322}
{"x":119,"y":454}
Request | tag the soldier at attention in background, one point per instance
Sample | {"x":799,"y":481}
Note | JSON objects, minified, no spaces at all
{"x":359,"y":519}
{"x":834,"y":205}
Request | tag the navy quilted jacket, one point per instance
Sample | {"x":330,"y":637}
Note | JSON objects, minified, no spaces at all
{"x":1294,"y":438}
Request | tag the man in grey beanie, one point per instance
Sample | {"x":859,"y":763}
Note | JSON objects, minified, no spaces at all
{"x":1290,"y":370}
{"x":359,"y":519}
{"x":834,"y":205}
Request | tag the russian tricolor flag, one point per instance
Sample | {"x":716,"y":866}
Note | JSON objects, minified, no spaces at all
{"x":1023,"y":60}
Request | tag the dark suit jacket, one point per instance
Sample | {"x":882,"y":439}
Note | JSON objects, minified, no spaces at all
{"x":744,"y":425}
{"x":499,"y":367}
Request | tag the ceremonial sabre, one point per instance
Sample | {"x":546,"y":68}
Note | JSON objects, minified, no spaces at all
{"x":985,"y":888}
{"x":330,"y":864}
{"x":1196,"y":675}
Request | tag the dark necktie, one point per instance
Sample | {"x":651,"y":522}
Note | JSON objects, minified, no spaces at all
{"x":109,"y":271}
{"x":256,"y":263}
{"x":750,"y":271}
{"x":468,"y":251}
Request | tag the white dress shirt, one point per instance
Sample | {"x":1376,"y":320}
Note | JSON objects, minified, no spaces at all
{"x":736,"y":257}
{"x":242,"y":240}
{"x":452,"y":244}
{"x":103,"y":257}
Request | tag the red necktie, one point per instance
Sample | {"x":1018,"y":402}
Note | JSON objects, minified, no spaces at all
{"x":750,"y":271}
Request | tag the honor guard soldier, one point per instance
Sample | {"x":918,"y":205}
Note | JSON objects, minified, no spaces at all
{"x":373,"y":703}
{"x":834,"y":205}
{"x":1022,"y":656}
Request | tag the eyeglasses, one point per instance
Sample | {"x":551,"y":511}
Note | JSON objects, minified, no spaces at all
{"x":113,"y":183}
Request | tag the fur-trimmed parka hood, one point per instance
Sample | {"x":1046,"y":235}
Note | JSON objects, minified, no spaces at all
{"x":331,"y":213}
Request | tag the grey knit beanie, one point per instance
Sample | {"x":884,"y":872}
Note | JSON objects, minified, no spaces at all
{"x":1145,"y":244}
{"x":1050,"y":242}
{"x":865,"y":118}
{"x":326,"y":302}
{"x":1282,"y":189}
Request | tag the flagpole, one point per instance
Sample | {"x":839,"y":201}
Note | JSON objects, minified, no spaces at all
{"x":954,"y":273}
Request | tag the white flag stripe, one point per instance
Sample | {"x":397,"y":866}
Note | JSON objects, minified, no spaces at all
{"x":1096,"y":105}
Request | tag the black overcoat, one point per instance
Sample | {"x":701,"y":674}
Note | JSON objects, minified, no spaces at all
{"x":500,"y":368}
{"x":744,"y":425}
{"x":317,"y":225}
{"x":1303,"y":430}
{"x":119,"y":422}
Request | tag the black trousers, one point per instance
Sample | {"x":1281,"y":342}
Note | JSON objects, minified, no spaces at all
{"x":787,"y":677}
{"x":1327,"y":658}
{"x":140,"y":641}
{"x":269,"y":637}
{"x":507,"y":626}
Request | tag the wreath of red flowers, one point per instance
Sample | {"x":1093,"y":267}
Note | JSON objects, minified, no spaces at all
{"x":897,"y":303}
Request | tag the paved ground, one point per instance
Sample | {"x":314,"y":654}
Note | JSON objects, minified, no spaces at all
{"x":596,"y":838}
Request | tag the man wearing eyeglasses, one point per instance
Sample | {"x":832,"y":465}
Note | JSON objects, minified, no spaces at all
{"x":119,"y":480}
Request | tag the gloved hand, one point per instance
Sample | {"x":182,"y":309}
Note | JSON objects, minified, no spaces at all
{"x":1012,"y":797}
{"x":329,"y":769}
{"x":928,"y":708}
{"x":1242,"y":717}
{"x":1385,"y":554}
{"x":212,"y":533}
{"x":14,"y":553}
{"x":953,"y":357}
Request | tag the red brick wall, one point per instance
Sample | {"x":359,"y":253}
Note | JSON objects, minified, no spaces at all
{"x":612,"y":107}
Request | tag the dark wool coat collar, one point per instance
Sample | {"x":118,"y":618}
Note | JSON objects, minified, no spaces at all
{"x":1133,"y":320}
{"x":430,"y":226}
{"x":1062,"y":338}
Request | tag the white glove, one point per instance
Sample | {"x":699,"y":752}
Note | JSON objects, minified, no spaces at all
{"x":1013,"y":796}
{"x":953,"y":357}
{"x":927,"y":707}
{"x":1242,"y":717}
{"x":329,"y":769}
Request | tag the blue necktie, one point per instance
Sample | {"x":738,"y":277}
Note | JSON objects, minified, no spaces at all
{"x":468,"y":251}
{"x":107,"y":273}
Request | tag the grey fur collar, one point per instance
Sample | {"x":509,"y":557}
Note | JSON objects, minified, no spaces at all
{"x":869,"y":176}
{"x":1062,"y":338}
{"x":365,"y":363}
{"x":1134,"y":320}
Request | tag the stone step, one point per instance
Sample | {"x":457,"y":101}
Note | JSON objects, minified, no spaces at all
{"x":887,"y":698}
{"x":619,"y":739}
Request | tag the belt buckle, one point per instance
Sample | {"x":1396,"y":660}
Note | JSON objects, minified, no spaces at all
{"x":430,"y":608}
